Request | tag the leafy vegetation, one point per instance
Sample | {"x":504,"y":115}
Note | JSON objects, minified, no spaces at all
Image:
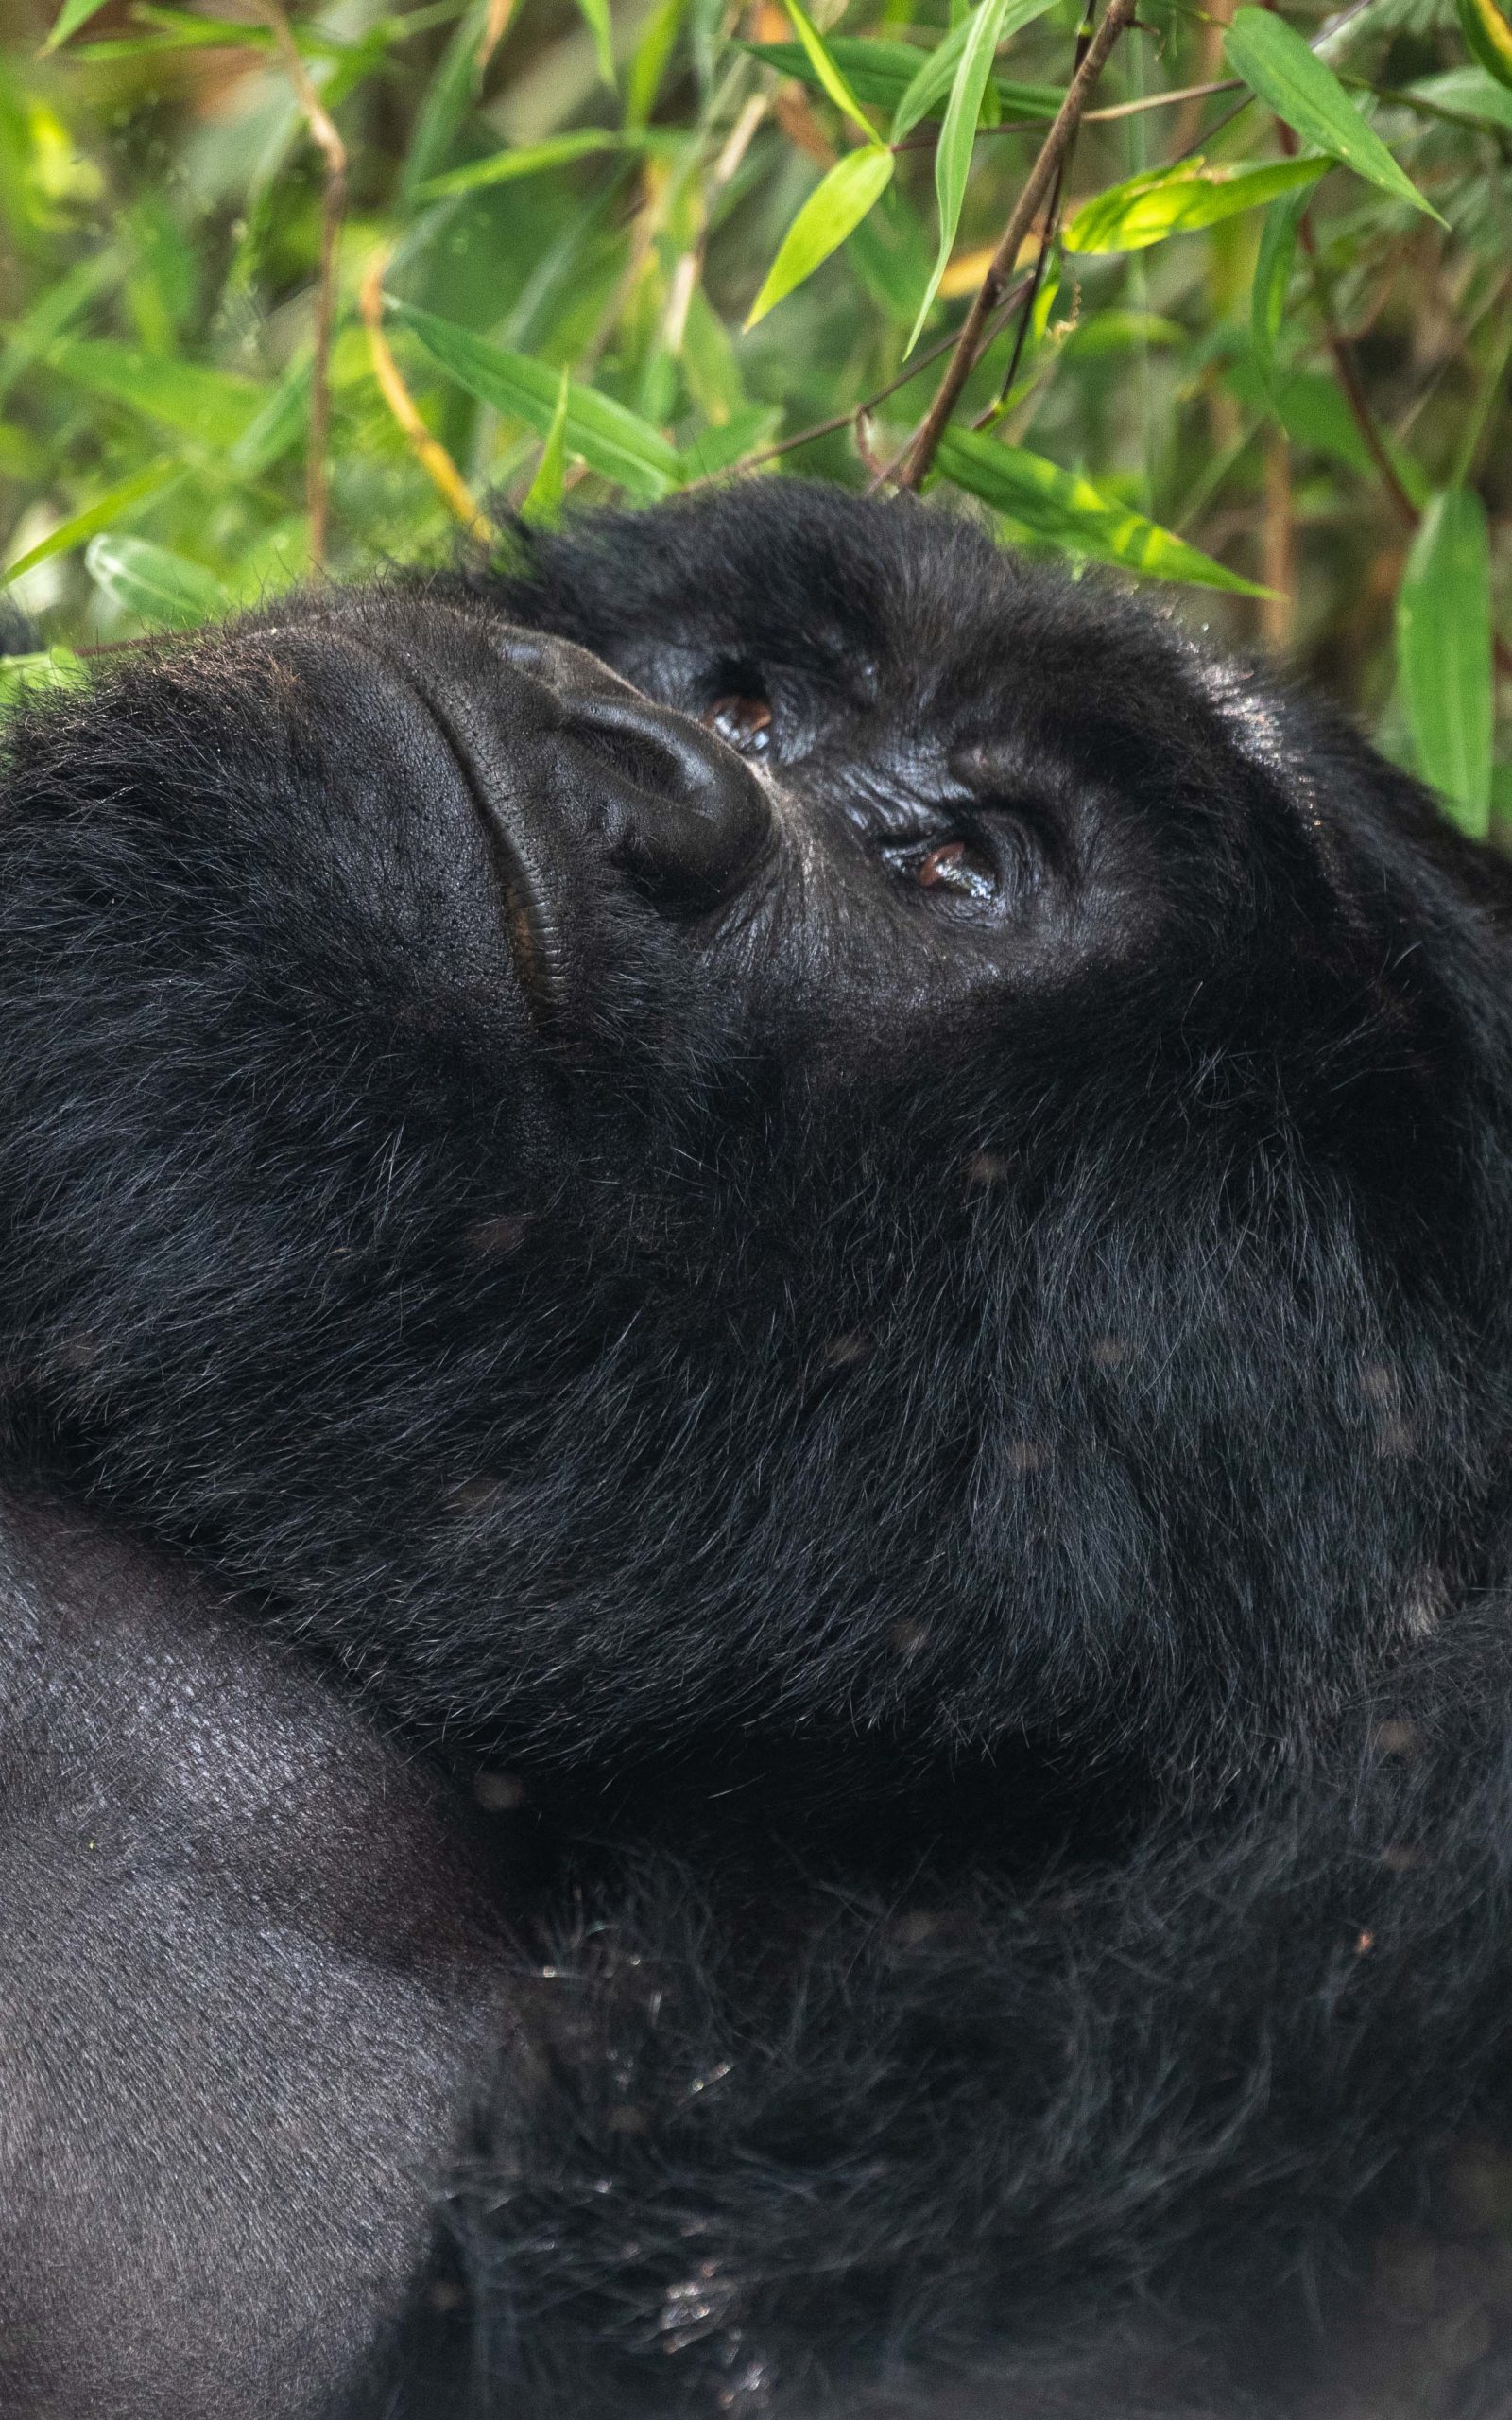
{"x":1221,"y":296}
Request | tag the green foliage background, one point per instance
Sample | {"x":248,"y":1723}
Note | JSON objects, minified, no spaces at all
{"x":1314,"y":405}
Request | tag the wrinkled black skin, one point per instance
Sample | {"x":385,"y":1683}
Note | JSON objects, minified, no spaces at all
{"x":954,"y":1449}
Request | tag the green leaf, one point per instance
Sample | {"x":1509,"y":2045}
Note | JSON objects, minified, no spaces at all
{"x":838,"y":203}
{"x":153,"y":582}
{"x":649,"y":60}
{"x":502,"y":168}
{"x":1487,"y":38}
{"x":829,"y":77}
{"x":610,"y":439}
{"x":940,"y":74}
{"x":958,"y":138}
{"x":155,"y":480}
{"x":73,"y":14}
{"x":1276,"y":64}
{"x":1273,"y":276}
{"x":881,"y":72}
{"x":450,"y":94}
{"x":1062,"y":509}
{"x":1467,"y":91}
{"x":54,"y":668}
{"x":1173,"y":201}
{"x":278,"y":426}
{"x":1117,"y":329}
{"x":1444,"y":654}
{"x":210,"y":405}
{"x":595,"y":17}
{"x":716,"y":449}
{"x":542,"y":502}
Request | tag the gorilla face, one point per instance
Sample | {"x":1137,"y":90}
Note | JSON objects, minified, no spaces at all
{"x":810,"y":1167}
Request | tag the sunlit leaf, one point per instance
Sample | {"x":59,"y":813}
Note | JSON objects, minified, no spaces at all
{"x":153,"y":582}
{"x":839,"y":202}
{"x":542,"y":501}
{"x":609,"y":438}
{"x":1444,"y":654}
{"x":1173,"y":201}
{"x":208,"y":405}
{"x":73,"y":14}
{"x":1281,"y":71}
{"x":53,"y":668}
{"x":1273,"y":276}
{"x":829,"y":77}
{"x":107,"y":508}
{"x":595,"y":17}
{"x":501,"y":168}
{"x":1487,"y":38}
{"x":1062,"y":509}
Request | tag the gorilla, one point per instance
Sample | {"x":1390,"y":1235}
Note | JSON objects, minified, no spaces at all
{"x":755,"y":1380}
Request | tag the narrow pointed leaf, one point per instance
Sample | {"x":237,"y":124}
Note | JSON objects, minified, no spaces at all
{"x":830,"y":79}
{"x":542,"y":502}
{"x":531,"y":159}
{"x":1065,"y":510}
{"x":1468,"y":92}
{"x":73,"y":14}
{"x":837,"y":205}
{"x":153,"y":582}
{"x":1175,"y":200}
{"x":208,"y":405}
{"x":1276,"y":64}
{"x":936,"y":79}
{"x":1444,"y":654}
{"x":595,"y":16}
{"x":1487,"y":38}
{"x":880,"y":72}
{"x":155,"y":480}
{"x":650,"y":58}
{"x":1273,"y":276}
{"x":609,"y":438}
{"x":957,"y":140}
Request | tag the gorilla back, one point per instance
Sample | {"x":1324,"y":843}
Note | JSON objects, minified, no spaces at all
{"x":845,"y":1209}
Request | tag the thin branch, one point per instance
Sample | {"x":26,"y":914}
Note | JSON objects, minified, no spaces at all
{"x":972,"y":340}
{"x":429,"y":452}
{"x":328,"y":141}
{"x":1089,"y":117}
{"x":914,"y":368}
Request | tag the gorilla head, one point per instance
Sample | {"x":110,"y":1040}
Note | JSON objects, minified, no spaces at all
{"x":913,"y":1156}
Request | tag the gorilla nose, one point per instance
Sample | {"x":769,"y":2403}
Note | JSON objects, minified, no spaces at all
{"x":685,"y":817}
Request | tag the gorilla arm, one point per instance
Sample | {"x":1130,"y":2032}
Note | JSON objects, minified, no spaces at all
{"x":242,"y":1998}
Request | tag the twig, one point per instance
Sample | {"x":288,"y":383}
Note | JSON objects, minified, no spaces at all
{"x":914,"y":368}
{"x":429,"y":452}
{"x":1089,"y":117}
{"x":970,"y":343}
{"x":328,"y":141}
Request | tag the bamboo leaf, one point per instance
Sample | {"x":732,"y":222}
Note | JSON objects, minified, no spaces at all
{"x":1487,"y":38}
{"x":153,"y":582}
{"x":828,"y":76}
{"x":1175,"y":201}
{"x":155,"y":480}
{"x":880,"y":72}
{"x":957,"y":139}
{"x":1065,"y":510}
{"x":542,"y":501}
{"x":595,"y":17}
{"x":531,"y":159}
{"x":1444,"y":654}
{"x":1273,"y":276}
{"x":1276,"y":64}
{"x":1467,"y":92}
{"x":649,"y":60}
{"x":837,"y":205}
{"x":609,"y":438}
{"x":210,"y":405}
{"x":73,"y":14}
{"x":939,"y":74}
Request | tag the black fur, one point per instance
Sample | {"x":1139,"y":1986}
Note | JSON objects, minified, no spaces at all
{"x":949,"y":1441}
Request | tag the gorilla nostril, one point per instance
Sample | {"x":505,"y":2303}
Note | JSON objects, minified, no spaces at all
{"x":688,"y":818}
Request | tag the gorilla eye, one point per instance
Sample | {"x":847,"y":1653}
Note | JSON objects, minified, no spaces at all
{"x":743,"y":723}
{"x":957,"y":866}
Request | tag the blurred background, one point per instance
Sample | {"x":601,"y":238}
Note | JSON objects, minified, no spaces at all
{"x":294,"y":292}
